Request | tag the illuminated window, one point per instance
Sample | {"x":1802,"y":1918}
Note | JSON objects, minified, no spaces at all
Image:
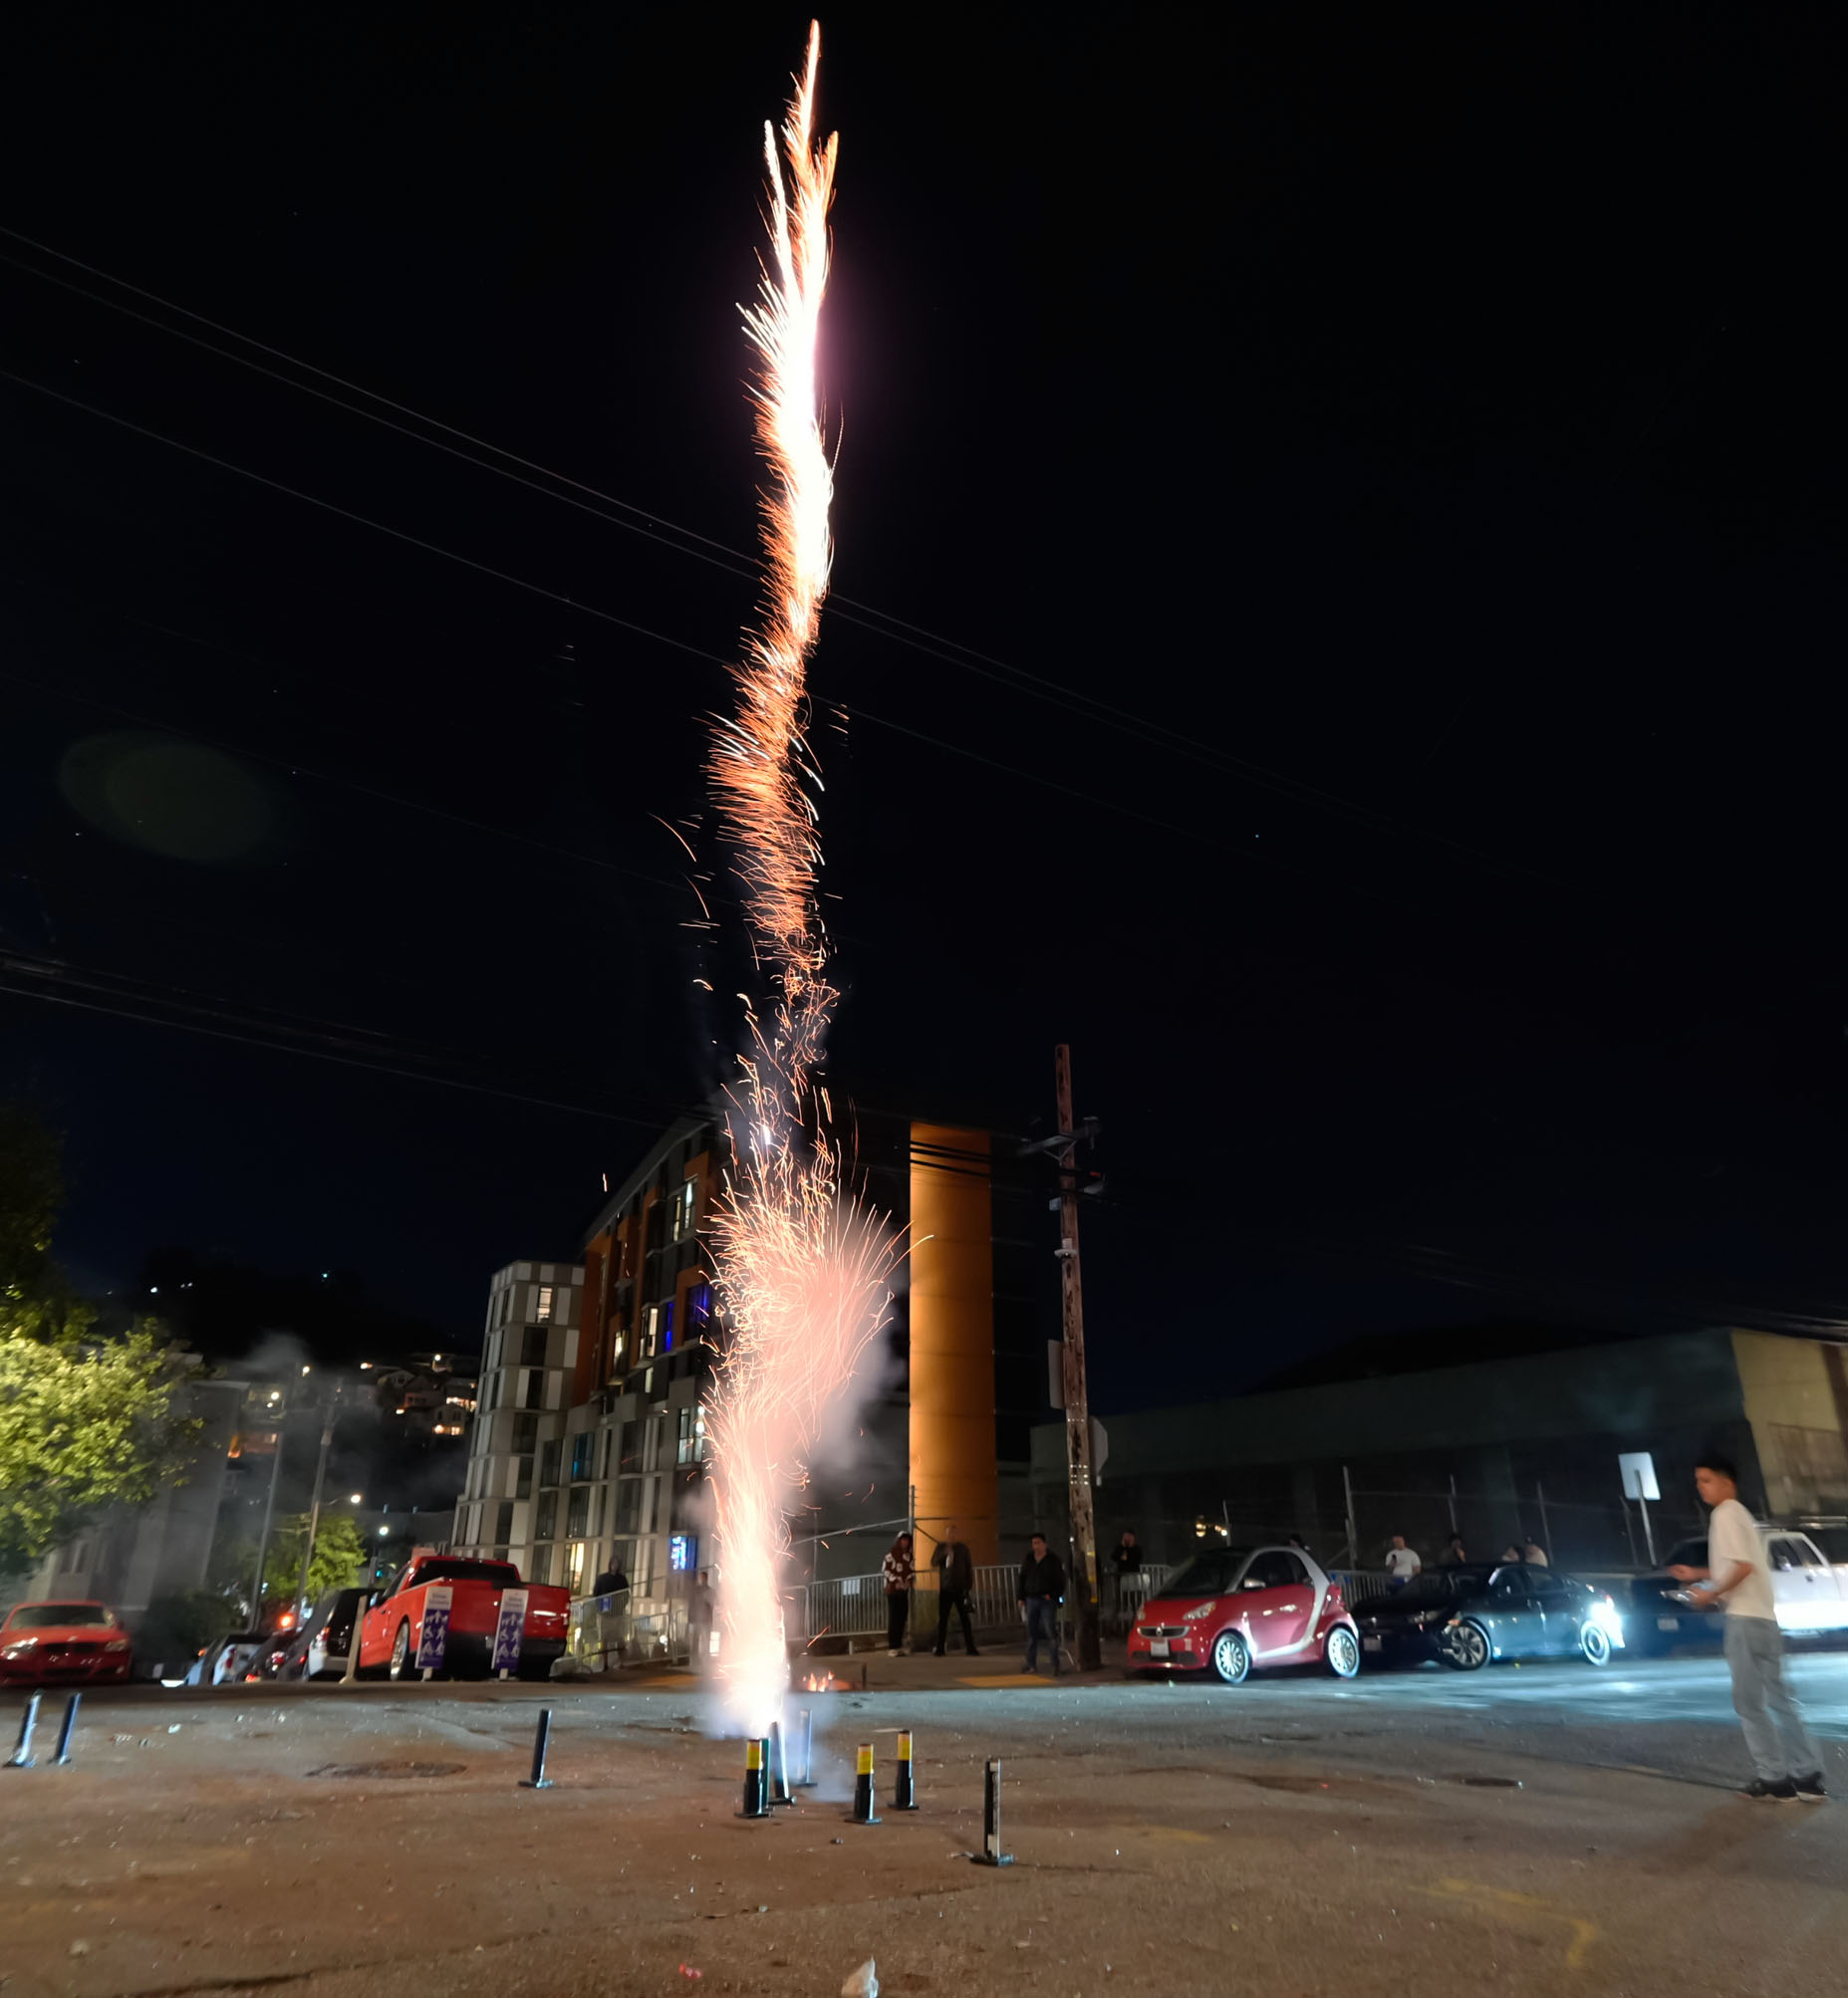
{"x":651,"y":1330}
{"x":543,"y":1313}
{"x":692,"y":1442}
{"x":666,"y":1326}
{"x":683,"y":1211}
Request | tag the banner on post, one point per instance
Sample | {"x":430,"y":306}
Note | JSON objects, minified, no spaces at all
{"x":508,"y":1631}
{"x":434,"y":1635}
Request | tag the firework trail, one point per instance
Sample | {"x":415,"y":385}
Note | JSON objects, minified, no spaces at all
{"x":803,"y":1271}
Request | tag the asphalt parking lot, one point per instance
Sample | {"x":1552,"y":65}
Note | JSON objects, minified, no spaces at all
{"x":1539,"y":1828}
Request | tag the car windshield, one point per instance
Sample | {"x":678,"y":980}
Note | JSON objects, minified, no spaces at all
{"x":52,"y":1615}
{"x":1207,"y":1574}
{"x":502,"y":1574}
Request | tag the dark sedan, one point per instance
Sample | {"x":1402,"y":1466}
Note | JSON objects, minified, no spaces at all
{"x":1656,"y":1615}
{"x":1466,"y":1615}
{"x":318,"y":1651}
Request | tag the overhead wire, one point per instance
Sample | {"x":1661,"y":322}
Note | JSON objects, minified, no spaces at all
{"x":844,"y":607}
{"x":1267,"y":859}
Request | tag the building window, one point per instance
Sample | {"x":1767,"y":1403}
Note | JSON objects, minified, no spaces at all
{"x":666,"y":1326}
{"x":629,"y":1456}
{"x":543,"y":1313}
{"x":692,"y":1444}
{"x":525,"y":1433}
{"x":582,"y":1450}
{"x":574,"y":1572}
{"x":651,"y":1330}
{"x":503,"y":1521}
{"x":683,"y":1211}
{"x":523,"y":1484}
{"x":534,"y":1397}
{"x":628,"y":1505}
{"x":546,"y":1517}
{"x":532,"y":1346}
{"x":549,"y":1453}
{"x":578,"y":1512}
{"x":698,"y":1309}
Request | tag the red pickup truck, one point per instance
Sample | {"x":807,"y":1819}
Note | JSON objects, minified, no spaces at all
{"x":393,"y":1625}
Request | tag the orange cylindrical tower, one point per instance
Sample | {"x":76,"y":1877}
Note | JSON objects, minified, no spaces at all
{"x":951,"y":1310}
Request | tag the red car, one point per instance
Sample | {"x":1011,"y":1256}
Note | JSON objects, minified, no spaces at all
{"x":1232,"y":1610}
{"x":64,"y":1644}
{"x":393,"y":1625}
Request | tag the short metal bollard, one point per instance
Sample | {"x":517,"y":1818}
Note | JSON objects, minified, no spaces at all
{"x":992,"y":1854}
{"x":542,"y":1740}
{"x":66,"y":1728}
{"x":778,"y":1770}
{"x":805,"y":1751}
{"x":903,"y":1794}
{"x":756,"y":1795}
{"x":862,"y":1812}
{"x":21,"y":1757}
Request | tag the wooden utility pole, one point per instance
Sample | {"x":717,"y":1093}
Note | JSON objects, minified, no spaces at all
{"x":1077,"y":1397}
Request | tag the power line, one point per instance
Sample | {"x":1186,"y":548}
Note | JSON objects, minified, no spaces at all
{"x":712,"y":658}
{"x":846,"y":608}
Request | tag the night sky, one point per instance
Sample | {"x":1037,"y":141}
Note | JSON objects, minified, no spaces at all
{"x":1386,"y":464}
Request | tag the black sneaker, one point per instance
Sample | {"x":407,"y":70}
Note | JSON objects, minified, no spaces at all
{"x":1784,"y":1791}
{"x":1809,"y":1788}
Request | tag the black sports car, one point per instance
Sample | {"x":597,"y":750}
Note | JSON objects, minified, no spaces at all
{"x":1655,"y":1613}
{"x":1466,"y":1615}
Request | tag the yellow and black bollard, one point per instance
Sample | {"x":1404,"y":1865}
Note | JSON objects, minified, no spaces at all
{"x":863,"y":1786}
{"x":904,"y":1794}
{"x":756,"y":1799}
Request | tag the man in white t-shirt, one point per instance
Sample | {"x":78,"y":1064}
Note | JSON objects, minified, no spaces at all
{"x":1401,"y":1563}
{"x":1736,"y":1578}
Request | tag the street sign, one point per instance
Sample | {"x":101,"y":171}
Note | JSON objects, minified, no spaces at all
{"x":1100,"y":1449}
{"x":433,"y":1637}
{"x":508,"y":1631}
{"x":1639,"y":1469}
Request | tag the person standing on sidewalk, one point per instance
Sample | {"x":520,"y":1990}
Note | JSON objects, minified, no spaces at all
{"x":956,"y":1578}
{"x":1401,"y":1563}
{"x":1782,"y":1750}
{"x":1042,"y":1589}
{"x":899,"y":1578}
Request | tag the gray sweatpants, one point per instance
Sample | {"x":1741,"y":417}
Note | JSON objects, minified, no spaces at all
{"x":1765,"y":1705}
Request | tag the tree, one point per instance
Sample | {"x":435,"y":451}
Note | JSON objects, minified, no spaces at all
{"x":340,"y":1552}
{"x":86,"y":1422}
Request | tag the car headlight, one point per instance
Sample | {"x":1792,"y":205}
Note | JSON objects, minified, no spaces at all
{"x":21,"y":1648}
{"x":1607,"y":1616}
{"x":116,"y":1645}
{"x":1194,"y":1616}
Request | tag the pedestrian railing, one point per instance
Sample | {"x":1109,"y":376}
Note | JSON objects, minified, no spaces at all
{"x":624,"y":1629}
{"x":1361,"y":1585}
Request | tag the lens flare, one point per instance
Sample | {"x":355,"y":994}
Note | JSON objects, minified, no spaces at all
{"x":803,"y":1269}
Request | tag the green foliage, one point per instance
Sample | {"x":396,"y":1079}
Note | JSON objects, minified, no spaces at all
{"x":85,"y":1422}
{"x":340,"y":1552}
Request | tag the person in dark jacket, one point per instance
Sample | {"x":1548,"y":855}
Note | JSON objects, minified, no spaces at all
{"x":956,"y":1578}
{"x":1125,"y":1556}
{"x":898,"y":1569}
{"x":1042,"y":1589}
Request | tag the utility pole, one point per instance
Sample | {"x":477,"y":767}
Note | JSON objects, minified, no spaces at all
{"x":314,"y":1506}
{"x":1077,"y":1397}
{"x":269,"y":1514}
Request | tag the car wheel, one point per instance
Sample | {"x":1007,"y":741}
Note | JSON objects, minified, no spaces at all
{"x":1595,"y":1641}
{"x":1231,"y":1658}
{"x":403,"y":1654}
{"x":1341,"y":1653}
{"x":1466,"y":1648}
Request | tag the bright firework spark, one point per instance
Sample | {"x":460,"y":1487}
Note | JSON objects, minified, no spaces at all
{"x":804,"y":1272}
